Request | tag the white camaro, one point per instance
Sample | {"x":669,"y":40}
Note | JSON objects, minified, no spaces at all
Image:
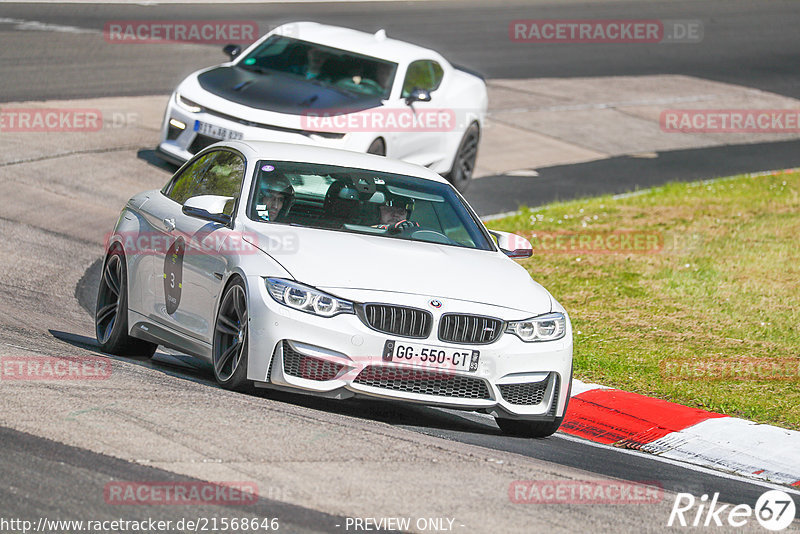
{"x":337,"y":274}
{"x":329,"y":86}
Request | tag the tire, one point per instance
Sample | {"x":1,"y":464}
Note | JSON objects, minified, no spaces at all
{"x":464,"y":162}
{"x":111,"y":311}
{"x":378,"y":147}
{"x":534,"y":429}
{"x":231,"y":340}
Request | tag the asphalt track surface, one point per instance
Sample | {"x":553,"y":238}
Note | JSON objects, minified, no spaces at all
{"x":756,"y":45}
{"x":748,"y":43}
{"x":43,"y":475}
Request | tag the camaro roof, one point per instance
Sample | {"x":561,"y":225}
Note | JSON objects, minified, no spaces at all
{"x":269,"y":150}
{"x":357,"y":41}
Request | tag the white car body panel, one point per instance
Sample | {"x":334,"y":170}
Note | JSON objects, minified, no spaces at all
{"x":363,"y":262}
{"x":362,"y":268}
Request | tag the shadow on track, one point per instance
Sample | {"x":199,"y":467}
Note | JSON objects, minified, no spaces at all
{"x":151,"y":157}
{"x":189,"y":368}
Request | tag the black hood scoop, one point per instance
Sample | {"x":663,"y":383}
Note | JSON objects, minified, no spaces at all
{"x":281,"y":93}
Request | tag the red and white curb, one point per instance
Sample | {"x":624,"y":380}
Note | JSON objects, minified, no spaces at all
{"x":632,"y":421}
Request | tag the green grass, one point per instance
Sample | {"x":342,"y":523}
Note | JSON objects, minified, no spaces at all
{"x":725,"y":286}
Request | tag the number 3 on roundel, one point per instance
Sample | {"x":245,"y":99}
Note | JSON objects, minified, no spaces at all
{"x":173,"y":275}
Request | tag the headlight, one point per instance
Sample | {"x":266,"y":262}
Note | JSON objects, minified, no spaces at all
{"x":306,"y":298}
{"x":548,"y":327}
{"x":187,"y":104}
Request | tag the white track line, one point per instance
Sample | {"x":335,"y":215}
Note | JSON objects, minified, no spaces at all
{"x":678,"y":463}
{"x":170,"y":2}
{"x":35,"y":25}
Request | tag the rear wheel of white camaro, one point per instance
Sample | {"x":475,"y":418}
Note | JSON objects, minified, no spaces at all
{"x":111,"y":312}
{"x":464,"y":162}
{"x":378,"y":147}
{"x":230,"y":345}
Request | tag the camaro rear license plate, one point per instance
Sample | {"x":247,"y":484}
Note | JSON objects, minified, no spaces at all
{"x":431,"y":356}
{"x":216,"y":132}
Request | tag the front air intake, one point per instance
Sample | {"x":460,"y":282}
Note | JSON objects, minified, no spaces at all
{"x":397,"y":320}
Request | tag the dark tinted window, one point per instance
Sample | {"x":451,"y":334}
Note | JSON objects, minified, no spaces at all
{"x":363,"y":201}
{"x":425,"y":74}
{"x":325,"y":65}
{"x":217,"y":173}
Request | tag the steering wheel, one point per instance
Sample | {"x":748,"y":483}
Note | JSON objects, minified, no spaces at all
{"x":366,"y":85}
{"x":369,"y":82}
{"x":432,"y":236}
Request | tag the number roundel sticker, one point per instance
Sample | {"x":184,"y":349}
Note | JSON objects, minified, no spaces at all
{"x":173,"y":275}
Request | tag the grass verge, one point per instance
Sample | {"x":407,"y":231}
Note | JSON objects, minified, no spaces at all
{"x":685,"y":292}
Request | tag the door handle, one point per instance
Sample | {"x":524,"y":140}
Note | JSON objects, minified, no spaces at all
{"x":169,"y":224}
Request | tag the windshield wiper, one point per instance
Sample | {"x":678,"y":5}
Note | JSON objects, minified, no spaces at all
{"x":254,"y":68}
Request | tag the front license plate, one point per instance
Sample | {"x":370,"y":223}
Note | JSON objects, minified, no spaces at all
{"x":216,"y":132}
{"x":431,"y":356}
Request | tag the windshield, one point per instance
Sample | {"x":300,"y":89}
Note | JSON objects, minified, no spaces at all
{"x":362,"y":201}
{"x":330,"y":66}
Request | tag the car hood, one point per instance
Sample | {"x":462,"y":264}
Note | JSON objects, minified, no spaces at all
{"x":280,"y":93}
{"x":332,"y":260}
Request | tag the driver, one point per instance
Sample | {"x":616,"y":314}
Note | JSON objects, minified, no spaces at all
{"x":274,"y":198}
{"x":316,"y":60}
{"x":395,"y":213}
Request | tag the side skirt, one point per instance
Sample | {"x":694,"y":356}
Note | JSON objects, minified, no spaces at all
{"x":158,"y":334}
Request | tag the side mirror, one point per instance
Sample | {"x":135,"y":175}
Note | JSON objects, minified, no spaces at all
{"x":208,"y":207}
{"x":512,"y":245}
{"x":232,"y":50}
{"x":418,"y":95}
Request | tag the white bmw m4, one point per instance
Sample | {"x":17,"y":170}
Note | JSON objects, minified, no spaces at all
{"x":335,"y":87}
{"x":337,"y":274}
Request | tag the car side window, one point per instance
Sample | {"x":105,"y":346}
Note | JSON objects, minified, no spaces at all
{"x":424,"y":74}
{"x":217,"y":173}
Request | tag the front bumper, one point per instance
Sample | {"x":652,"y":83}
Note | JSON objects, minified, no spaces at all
{"x":180,"y":144}
{"x":341,"y":357}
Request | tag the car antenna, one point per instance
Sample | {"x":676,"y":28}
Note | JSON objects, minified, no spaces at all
{"x":380,"y":35}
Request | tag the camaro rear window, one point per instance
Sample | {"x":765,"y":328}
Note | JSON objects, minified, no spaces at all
{"x":362,"y":201}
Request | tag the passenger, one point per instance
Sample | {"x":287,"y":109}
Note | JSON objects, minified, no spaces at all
{"x":316,"y":60}
{"x":275,"y":198}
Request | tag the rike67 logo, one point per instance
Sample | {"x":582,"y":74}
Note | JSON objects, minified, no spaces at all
{"x":774,"y":510}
